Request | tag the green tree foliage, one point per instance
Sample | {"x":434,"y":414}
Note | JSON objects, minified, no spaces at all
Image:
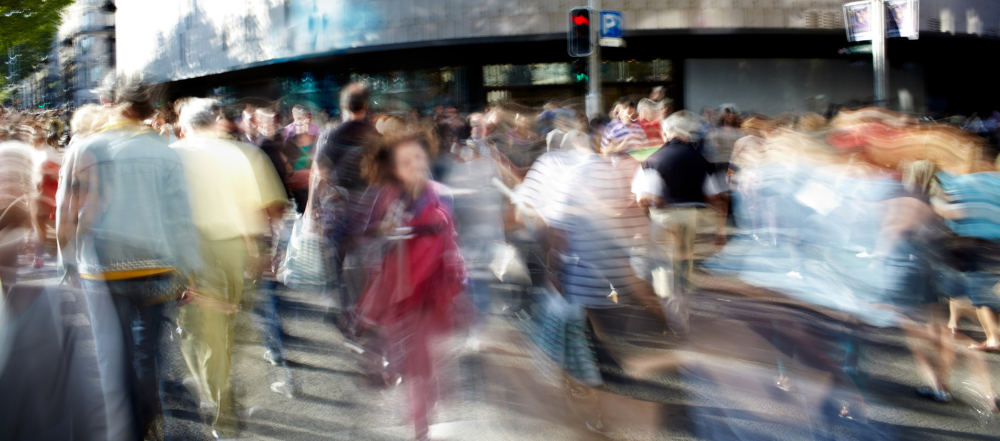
{"x":29,"y":25}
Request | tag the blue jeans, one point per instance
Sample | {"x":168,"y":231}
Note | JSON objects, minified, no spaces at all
{"x":141,"y":326}
{"x":270,"y":305}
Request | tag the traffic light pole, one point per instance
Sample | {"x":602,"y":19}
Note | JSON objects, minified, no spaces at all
{"x":878,"y":53}
{"x":594,"y":81}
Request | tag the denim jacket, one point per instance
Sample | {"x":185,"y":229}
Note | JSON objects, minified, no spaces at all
{"x":123,"y":206}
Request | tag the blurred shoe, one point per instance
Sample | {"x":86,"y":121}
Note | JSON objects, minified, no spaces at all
{"x":855,"y":411}
{"x":271,"y":358}
{"x":251,"y":412}
{"x":215,"y":434}
{"x":785,"y":383}
{"x":38,"y":263}
{"x":577,"y":392}
{"x":940,"y":396}
{"x":354,"y":347}
{"x":845,"y":413}
{"x":982,"y":401}
{"x":511,"y":310}
{"x":280,"y":387}
{"x":599,"y":428}
{"x":984,"y":347}
{"x":987,"y":412}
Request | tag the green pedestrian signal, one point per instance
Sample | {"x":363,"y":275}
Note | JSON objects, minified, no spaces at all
{"x":580,"y":72}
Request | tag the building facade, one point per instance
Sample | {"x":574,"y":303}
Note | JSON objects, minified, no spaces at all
{"x":86,"y":49}
{"x":764,"y":55}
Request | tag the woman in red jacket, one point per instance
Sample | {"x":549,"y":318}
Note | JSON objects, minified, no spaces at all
{"x":412,"y":294}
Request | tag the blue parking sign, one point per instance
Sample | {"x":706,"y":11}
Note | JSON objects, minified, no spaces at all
{"x":612,"y":24}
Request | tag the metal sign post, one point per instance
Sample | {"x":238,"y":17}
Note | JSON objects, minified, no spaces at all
{"x":594,"y":84}
{"x":878,"y":52}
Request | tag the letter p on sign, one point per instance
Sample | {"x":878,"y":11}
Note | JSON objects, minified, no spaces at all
{"x":611,"y":24}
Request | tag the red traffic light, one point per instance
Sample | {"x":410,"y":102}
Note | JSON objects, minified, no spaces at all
{"x":579,"y":36}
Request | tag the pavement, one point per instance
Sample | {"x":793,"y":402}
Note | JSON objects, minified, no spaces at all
{"x":717,"y":383}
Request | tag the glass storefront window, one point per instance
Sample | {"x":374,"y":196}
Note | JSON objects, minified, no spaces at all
{"x":499,"y":75}
{"x":550,"y":73}
{"x":391,"y":92}
{"x":633,"y":71}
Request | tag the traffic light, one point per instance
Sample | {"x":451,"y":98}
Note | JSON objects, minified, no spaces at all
{"x":580,"y":42}
{"x":581,"y":71}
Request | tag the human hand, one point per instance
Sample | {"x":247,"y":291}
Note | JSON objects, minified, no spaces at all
{"x":186,"y":296}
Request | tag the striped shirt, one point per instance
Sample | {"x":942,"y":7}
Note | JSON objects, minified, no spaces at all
{"x":590,"y":198}
{"x":977,"y":197}
{"x":618,"y":131}
{"x":16,"y":183}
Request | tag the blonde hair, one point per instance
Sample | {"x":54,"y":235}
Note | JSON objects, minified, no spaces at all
{"x":790,"y":146}
{"x":758,"y":126}
{"x":918,"y":176}
{"x":872,"y":114}
{"x":84,"y":119}
{"x":811,"y":122}
{"x":390,"y":124}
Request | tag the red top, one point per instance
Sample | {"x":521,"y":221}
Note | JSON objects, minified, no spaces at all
{"x":654,"y":132}
{"x":49,"y":183}
{"x":421,"y":274}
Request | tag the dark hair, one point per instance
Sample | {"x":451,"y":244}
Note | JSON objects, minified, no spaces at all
{"x":376,"y":166}
{"x":131,"y":90}
{"x":52,"y":133}
{"x":354,"y":98}
{"x":625,"y":101}
{"x":229,"y":112}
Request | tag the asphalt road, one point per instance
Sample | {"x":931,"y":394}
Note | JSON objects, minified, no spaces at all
{"x":717,"y":383}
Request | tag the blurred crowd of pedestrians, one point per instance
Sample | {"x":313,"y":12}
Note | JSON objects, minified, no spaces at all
{"x":165,"y":212}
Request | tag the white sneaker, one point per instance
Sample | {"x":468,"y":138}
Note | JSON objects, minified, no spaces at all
{"x":269,"y":356}
{"x":283,"y":388}
{"x":253,"y":410}
{"x":216,"y":436}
